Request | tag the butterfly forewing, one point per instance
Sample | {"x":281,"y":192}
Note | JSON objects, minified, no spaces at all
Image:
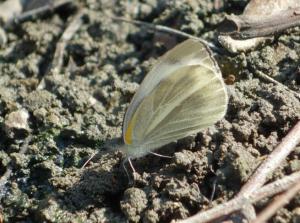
{"x":199,"y":101}
{"x":190,"y":52}
{"x":184,"y":94}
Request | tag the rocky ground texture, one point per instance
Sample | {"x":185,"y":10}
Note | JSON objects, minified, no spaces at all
{"x":47,"y":133}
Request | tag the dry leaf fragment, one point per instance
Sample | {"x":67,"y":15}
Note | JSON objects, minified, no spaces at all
{"x":260,"y":20}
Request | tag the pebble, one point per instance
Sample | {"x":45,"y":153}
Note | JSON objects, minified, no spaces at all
{"x":16,"y":124}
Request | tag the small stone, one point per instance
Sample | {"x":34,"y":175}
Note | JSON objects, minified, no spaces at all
{"x":134,"y":202}
{"x":54,"y":120}
{"x":235,"y":46}
{"x":237,"y":167}
{"x":184,"y":159}
{"x":296,"y":215}
{"x":9,"y":9}
{"x":40,"y":114}
{"x":4,"y":159}
{"x":184,"y":192}
{"x":295,"y":165}
{"x":16,"y":124}
{"x":150,"y":216}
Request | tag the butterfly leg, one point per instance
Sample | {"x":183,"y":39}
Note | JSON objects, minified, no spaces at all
{"x":123,"y":164}
{"x":132,"y":167}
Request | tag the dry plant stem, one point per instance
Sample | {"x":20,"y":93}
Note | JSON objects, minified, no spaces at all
{"x":67,"y":35}
{"x":276,"y":187}
{"x":38,"y":11}
{"x":271,"y":80}
{"x":246,"y":27}
{"x":169,"y":30}
{"x":57,"y":63}
{"x":88,"y":160}
{"x":248,"y":212}
{"x":239,"y":203}
{"x":249,"y":191}
{"x":258,"y":179}
{"x":277,"y":203}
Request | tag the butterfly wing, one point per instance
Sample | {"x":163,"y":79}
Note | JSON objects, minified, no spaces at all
{"x":189,"y":52}
{"x":188,"y":99}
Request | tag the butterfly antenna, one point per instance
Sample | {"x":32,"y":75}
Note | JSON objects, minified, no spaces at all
{"x":89,"y":159}
{"x":164,"y":156}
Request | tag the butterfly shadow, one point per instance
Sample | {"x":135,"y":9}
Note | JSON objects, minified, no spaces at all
{"x":102,"y":182}
{"x":160,"y":160}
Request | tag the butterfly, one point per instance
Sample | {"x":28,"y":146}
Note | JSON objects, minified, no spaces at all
{"x":182,"y":94}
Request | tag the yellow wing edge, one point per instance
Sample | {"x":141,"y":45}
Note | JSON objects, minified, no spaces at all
{"x":129,"y":130}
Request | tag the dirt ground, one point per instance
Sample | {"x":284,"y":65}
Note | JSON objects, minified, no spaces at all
{"x":80,"y":111}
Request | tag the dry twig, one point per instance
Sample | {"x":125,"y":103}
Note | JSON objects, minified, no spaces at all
{"x":269,"y":79}
{"x":276,"y":187}
{"x":165,"y":29}
{"x":37,"y":11}
{"x":67,"y":35}
{"x":260,"y":20}
{"x":248,"y":193}
{"x":57,"y":62}
{"x":277,"y":203}
{"x":237,"y":204}
{"x":246,"y":27}
{"x":288,"y":143}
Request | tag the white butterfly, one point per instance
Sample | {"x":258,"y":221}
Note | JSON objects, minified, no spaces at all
{"x":181,"y":95}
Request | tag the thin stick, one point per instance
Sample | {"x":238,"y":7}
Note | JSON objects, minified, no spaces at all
{"x":89,"y":159}
{"x":277,"y":203}
{"x":165,"y":29}
{"x":248,"y":194}
{"x":288,"y":143}
{"x":67,"y":35}
{"x":276,"y":187}
{"x":246,"y":27}
{"x":273,"y":81}
{"x":38,"y":11}
{"x":57,"y":63}
{"x":238,"y":203}
{"x":169,"y":30}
